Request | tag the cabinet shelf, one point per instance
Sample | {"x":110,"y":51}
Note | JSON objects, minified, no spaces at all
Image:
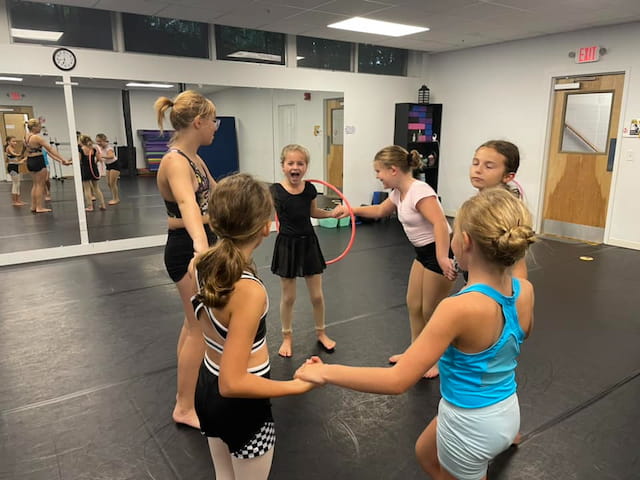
{"x":423,"y":120}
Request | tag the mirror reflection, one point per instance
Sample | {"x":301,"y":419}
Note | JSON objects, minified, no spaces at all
{"x":38,"y":205}
{"x":586,"y":122}
{"x":254,"y":126}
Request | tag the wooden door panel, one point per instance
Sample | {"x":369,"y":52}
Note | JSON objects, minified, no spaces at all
{"x":578,"y":184}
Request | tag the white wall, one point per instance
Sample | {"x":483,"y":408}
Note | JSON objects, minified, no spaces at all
{"x":256,"y":112}
{"x":369,"y":99}
{"x":504,"y":91}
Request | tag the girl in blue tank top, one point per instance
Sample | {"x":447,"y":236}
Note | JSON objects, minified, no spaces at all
{"x":476,"y":334}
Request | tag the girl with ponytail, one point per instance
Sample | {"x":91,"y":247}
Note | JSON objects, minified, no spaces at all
{"x":231,"y":304}
{"x":419,"y":210}
{"x":184,"y":182}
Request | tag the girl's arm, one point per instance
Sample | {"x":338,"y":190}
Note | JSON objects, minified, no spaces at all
{"x":432,"y":212}
{"x":438,"y":334}
{"x":52,"y":153}
{"x":384,"y":209}
{"x":246,"y":306}
{"x":178,"y":175}
{"x":320,"y":213}
{"x":110,"y":155}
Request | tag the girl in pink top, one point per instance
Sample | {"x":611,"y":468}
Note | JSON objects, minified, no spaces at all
{"x":432,"y":272}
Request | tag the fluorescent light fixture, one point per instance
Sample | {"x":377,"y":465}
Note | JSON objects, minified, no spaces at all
{"x":10,"y":79}
{"x":255,"y":56}
{"x":377,"y":27}
{"x":6,"y":110}
{"x":149,"y":85}
{"x":567,"y":86}
{"x":73,"y":84}
{"x":299,"y":58}
{"x":46,"y":35}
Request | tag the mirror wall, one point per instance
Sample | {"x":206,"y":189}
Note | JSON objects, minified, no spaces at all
{"x":23,"y":97}
{"x":255,"y":125}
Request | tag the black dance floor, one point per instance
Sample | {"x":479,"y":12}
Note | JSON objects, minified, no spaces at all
{"x":87,"y":371}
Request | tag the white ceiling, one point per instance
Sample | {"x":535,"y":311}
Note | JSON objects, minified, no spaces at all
{"x":454,"y":24}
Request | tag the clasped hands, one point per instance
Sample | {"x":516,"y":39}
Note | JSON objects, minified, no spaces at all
{"x":311,"y":371}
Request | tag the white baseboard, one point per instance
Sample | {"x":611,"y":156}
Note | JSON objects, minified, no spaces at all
{"x":616,"y":242}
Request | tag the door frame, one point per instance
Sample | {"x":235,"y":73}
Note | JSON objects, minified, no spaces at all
{"x":326,"y":147}
{"x":549,"y":82}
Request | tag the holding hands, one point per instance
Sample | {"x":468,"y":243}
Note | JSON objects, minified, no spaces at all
{"x":311,"y":371}
{"x":448,"y":268}
{"x":341,"y":211}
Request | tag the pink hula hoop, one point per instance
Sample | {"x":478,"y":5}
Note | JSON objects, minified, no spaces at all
{"x":351,"y":215}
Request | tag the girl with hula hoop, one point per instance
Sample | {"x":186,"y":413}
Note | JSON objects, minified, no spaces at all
{"x":297,"y":251}
{"x":89,"y":159}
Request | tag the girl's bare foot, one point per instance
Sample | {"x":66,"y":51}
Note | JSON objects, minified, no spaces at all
{"x":17,"y":204}
{"x":47,"y":198}
{"x":327,"y":344}
{"x":433,"y":372}
{"x":113,"y":202}
{"x":286,"y":349}
{"x":88,"y":209}
{"x":395,"y":358}
{"x":103,"y":207}
{"x":517,"y":440}
{"x":42,"y":210}
{"x":188,"y":418}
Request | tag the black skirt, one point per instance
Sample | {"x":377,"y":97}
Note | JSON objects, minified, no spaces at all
{"x":297,"y":256}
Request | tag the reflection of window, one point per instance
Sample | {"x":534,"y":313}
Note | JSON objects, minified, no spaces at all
{"x":586,"y":122}
{"x":44,"y":23}
{"x":382,"y":60}
{"x":247,"y":45}
{"x":165,"y":36}
{"x":323,"y":53}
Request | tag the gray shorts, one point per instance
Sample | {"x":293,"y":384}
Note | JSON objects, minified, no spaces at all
{"x":467,"y":438}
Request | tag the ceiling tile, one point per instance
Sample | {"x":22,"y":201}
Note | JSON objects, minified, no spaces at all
{"x":196,"y":14}
{"x":141,"y":7}
{"x":256,"y":15}
{"x":297,"y":3}
{"x":354,"y":8}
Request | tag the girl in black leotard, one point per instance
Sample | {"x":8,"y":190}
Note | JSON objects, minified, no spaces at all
{"x":184,"y":182}
{"x":89,"y":158}
{"x":34,"y":144}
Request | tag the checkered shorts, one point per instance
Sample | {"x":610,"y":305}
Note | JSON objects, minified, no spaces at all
{"x":260,"y":444}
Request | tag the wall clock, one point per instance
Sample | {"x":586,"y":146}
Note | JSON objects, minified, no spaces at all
{"x":64,"y":59}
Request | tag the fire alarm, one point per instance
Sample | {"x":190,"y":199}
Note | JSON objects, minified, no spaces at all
{"x":307,"y":96}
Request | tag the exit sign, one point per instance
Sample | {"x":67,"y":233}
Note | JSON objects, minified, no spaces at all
{"x":588,"y":54}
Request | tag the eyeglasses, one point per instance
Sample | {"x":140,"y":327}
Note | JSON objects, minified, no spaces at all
{"x":217,"y":122}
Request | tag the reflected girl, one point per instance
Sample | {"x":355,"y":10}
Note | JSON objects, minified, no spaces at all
{"x":113,"y":168}
{"x":34,"y":143}
{"x":89,"y":158}
{"x":14,"y":160}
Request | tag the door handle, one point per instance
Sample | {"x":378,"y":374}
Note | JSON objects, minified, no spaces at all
{"x":612,"y":154}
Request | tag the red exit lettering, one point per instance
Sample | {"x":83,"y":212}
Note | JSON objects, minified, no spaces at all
{"x":588,"y":54}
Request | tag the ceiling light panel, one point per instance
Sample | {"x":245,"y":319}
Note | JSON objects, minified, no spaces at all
{"x":377,"y":27}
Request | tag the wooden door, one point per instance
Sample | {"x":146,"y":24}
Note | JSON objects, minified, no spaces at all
{"x":334,"y":110}
{"x":581,"y":152}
